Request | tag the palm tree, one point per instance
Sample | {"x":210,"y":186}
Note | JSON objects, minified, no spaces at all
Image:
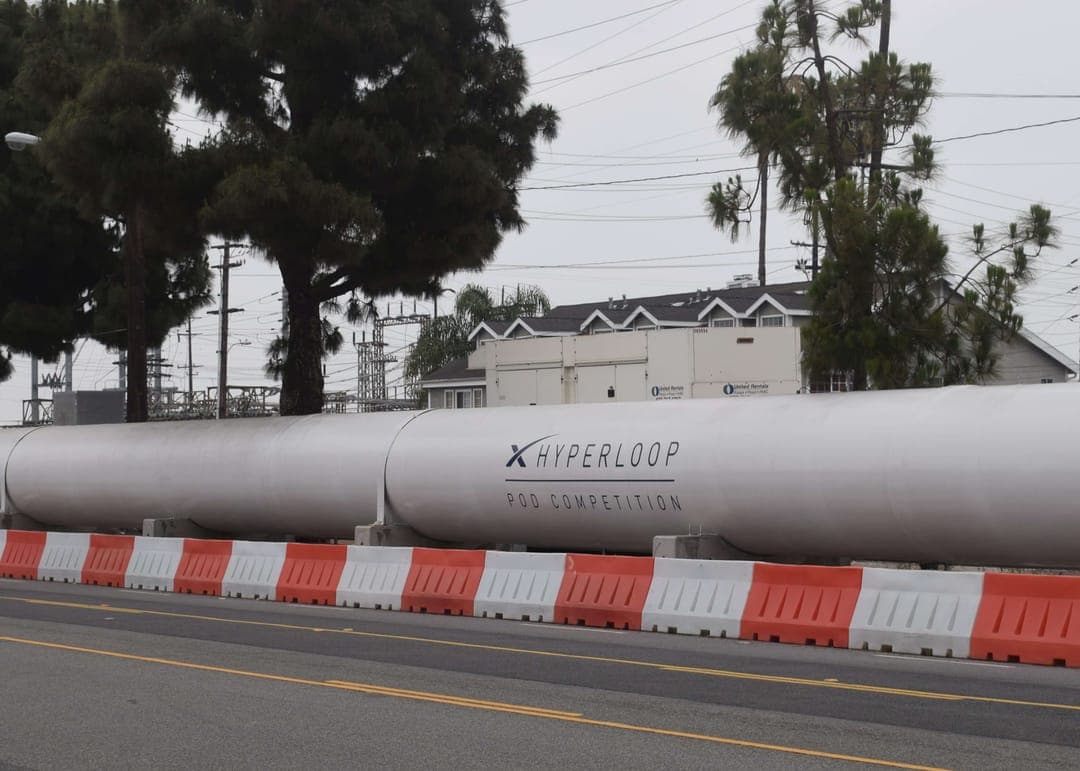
{"x":447,"y":338}
{"x":757,"y":104}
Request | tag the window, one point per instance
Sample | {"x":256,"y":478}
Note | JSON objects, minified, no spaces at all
{"x":1047,"y":380}
{"x":840,"y":382}
{"x":464,"y":398}
{"x":772,"y":321}
{"x":724,"y":322}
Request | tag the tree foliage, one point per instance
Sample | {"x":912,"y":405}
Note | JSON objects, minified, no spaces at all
{"x":758,"y":103}
{"x":889,"y":310}
{"x":105,"y":99}
{"x":373,"y":147}
{"x":446,"y":338}
{"x":52,"y":257}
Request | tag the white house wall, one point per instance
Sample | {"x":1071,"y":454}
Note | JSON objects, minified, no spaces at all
{"x":1021,"y":362}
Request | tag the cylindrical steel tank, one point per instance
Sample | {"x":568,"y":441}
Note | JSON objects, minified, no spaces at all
{"x":957,"y":475}
{"x":316,"y":476}
{"x":9,"y":438}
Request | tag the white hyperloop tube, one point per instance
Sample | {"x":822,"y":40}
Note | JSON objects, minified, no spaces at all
{"x":956,"y":475}
{"x":316,"y":476}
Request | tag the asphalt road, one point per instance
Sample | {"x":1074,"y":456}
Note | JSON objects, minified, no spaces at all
{"x":103,"y":678}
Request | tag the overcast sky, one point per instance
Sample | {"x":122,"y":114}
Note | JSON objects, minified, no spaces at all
{"x":649,"y":118}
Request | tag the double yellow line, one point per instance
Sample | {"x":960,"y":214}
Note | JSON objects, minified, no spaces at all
{"x":705,"y":671}
{"x":463,"y":701}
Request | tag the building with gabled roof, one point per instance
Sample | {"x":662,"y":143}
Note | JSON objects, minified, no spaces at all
{"x":739,"y":341}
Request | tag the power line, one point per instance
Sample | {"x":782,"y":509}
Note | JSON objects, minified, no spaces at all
{"x":699,"y":159}
{"x":620,"y":62}
{"x":641,"y":179}
{"x":599,"y":43}
{"x":650,"y":80}
{"x":597,"y":23}
{"x":991,"y":95}
{"x":749,"y":168}
{"x":632,"y":260}
{"x":995,"y":132}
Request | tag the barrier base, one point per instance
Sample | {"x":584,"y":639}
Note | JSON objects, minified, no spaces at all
{"x":174,"y":527}
{"x":391,"y":535}
{"x":15,"y":521}
{"x":696,"y":547}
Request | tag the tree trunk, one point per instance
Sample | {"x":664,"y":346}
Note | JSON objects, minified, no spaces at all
{"x":135,"y":284}
{"x":763,"y":186}
{"x":877,"y":122}
{"x":302,"y":379}
{"x":832,"y":131}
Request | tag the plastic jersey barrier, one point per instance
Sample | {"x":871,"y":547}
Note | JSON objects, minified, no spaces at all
{"x":153,"y":563}
{"x":311,"y":573}
{"x":253,"y":571}
{"x":520,"y":586}
{"x":202,"y":566}
{"x":702,"y":597}
{"x":64,"y":557}
{"x":806,"y":605}
{"x":443,"y":581}
{"x":1032,"y":619}
{"x":374,"y":576}
{"x":22,"y":554}
{"x":604,"y":591}
{"x":928,"y":613}
{"x":107,"y":560}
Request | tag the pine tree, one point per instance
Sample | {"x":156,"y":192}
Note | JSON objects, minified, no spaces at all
{"x":108,"y":100}
{"x":375,"y":147}
{"x":885,"y":312}
{"x":52,"y":258}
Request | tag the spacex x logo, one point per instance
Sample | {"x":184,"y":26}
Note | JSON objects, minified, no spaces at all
{"x":519,"y":451}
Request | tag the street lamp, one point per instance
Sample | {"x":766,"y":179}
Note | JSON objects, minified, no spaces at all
{"x":19,"y":140}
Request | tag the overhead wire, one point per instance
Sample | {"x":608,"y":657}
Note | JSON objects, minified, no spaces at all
{"x":600,"y":23}
{"x":664,"y":8}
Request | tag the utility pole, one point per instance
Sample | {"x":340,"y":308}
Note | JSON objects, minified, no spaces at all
{"x":35,"y":396}
{"x":813,"y":246}
{"x":223,"y":328}
{"x":121,"y":371}
{"x":69,"y":372}
{"x":190,"y":362}
{"x":155,"y":359}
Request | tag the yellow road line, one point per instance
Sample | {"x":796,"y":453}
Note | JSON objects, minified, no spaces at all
{"x":461,"y":701}
{"x":723,"y":673}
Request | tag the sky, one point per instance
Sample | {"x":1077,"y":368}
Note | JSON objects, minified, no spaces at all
{"x":615,"y":205}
